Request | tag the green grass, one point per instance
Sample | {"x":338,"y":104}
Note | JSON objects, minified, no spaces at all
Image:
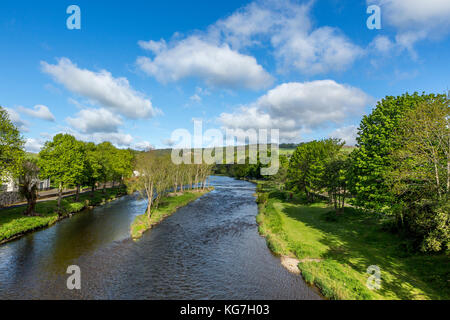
{"x":166,"y":207}
{"x":13,"y":223}
{"x":346,"y":246}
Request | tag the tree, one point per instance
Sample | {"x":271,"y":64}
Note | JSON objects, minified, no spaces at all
{"x":376,"y":142}
{"x":28,"y":180}
{"x":11,"y":147}
{"x":307,"y":165}
{"x":93,"y":165}
{"x":420,"y":174}
{"x":62,"y":160}
{"x":105,"y":157}
{"x":146,"y":180}
{"x":335,"y":180}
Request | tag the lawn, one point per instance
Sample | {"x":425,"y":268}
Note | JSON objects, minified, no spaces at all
{"x":343,"y":247}
{"x":166,"y":207}
{"x":13,"y":223}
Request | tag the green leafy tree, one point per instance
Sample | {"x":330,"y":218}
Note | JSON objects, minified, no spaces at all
{"x":307,"y":165}
{"x":93,"y":166}
{"x":420,"y":174}
{"x":62,"y":160}
{"x":376,"y":142}
{"x":335,"y":180}
{"x":11,"y":148}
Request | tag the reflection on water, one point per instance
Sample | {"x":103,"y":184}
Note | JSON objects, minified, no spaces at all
{"x":209,"y":249}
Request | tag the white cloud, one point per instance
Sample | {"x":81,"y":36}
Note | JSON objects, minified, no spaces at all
{"x":347,"y":134}
{"x":95,"y":120}
{"x":101,"y":87}
{"x":39,"y":111}
{"x":288,"y":28}
{"x":321,"y":51}
{"x":33,"y":145}
{"x":144,"y":146}
{"x":15,"y":118}
{"x":299,"y":107}
{"x":217,"y":65}
{"x":382,"y":44}
{"x":117,"y":138}
{"x":283,"y":26}
{"x":415,"y":20}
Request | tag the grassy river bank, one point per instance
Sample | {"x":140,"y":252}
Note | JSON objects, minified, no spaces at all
{"x":13,"y":224}
{"x":167,"y":207}
{"x":333,"y":252}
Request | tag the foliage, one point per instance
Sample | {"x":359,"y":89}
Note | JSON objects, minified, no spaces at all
{"x":420,"y":175}
{"x":376,"y":142}
{"x":335,"y":179}
{"x":157,"y":174}
{"x":307,"y":165}
{"x":168,"y":206}
{"x":11,"y":147}
{"x":334,"y":253}
{"x":63,"y":160}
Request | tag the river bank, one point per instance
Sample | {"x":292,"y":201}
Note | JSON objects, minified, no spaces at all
{"x":168,"y":206}
{"x":13,"y":224}
{"x":334,"y":252}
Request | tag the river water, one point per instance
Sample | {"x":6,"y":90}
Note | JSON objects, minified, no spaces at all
{"x":209,"y":249}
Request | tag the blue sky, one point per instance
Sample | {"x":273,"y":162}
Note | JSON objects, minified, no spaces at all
{"x":138,"y":70}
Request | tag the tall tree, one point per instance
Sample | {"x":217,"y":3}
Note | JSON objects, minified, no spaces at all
{"x":420,"y":175}
{"x":376,"y":142}
{"x":62,"y":160}
{"x":11,"y":147}
{"x":307,"y":165}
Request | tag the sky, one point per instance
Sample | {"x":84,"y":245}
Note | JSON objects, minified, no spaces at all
{"x":136,"y":71}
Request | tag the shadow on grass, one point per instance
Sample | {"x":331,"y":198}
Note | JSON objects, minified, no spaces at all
{"x":356,"y":240}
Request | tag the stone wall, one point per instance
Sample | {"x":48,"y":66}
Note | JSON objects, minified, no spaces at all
{"x":7,"y":198}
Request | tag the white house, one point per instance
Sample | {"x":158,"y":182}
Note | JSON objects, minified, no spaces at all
{"x":11,"y":185}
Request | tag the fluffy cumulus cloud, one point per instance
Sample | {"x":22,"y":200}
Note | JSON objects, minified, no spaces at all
{"x":295,"y":41}
{"x":33,"y":145}
{"x":216,"y":57}
{"x":119,"y":139}
{"x":296,"y":107}
{"x":217,"y":65}
{"x":347,"y":134}
{"x":415,"y":20}
{"x":39,"y":111}
{"x":15,"y":118}
{"x":101,"y":87}
{"x":95,"y":120}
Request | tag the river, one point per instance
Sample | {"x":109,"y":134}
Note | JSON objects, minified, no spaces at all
{"x":209,"y":249}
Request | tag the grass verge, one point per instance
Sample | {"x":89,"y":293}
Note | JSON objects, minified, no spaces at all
{"x":167,"y":207}
{"x":335,"y":251}
{"x":14,"y":224}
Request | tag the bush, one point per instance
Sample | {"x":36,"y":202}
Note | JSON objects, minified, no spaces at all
{"x":262,"y":198}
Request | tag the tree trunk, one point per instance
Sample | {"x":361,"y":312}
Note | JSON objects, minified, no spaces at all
{"x":150,"y":200}
{"x":77,"y":196}
{"x":59,"y":198}
{"x":31,"y":197}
